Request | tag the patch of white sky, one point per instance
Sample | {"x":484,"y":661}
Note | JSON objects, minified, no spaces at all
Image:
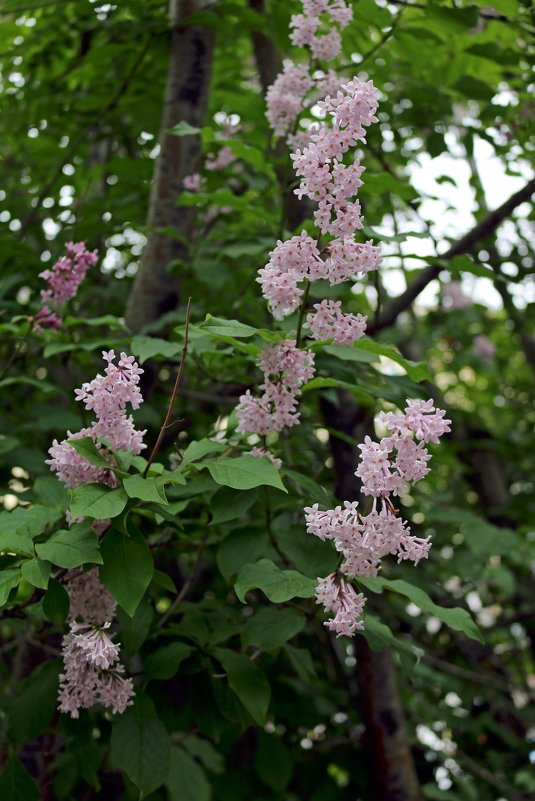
{"x":448,"y":209}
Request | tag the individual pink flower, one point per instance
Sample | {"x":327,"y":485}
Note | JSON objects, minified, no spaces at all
{"x":329,"y":322}
{"x":193,"y":182}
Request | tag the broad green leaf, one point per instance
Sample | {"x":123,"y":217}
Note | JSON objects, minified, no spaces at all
{"x":87,"y":448}
{"x":186,"y":780}
{"x":244,"y":472}
{"x":71,"y":548}
{"x":229,"y":328}
{"x":33,"y":709}
{"x":140,"y":745}
{"x":148,"y":347}
{"x":350,"y":354}
{"x":36,"y":572}
{"x":9,"y":578}
{"x":279,"y":585}
{"x":201,"y":448}
{"x":128,"y":567}
{"x":164,"y":662}
{"x":27,"y":522}
{"x":417,"y":371}
{"x":247,"y":681}
{"x":455,"y":618}
{"x":308,"y":554}
{"x":146,"y":489}
{"x":271,"y":627}
{"x":135,"y":630}
{"x":97,"y":501}
{"x":205,"y":752}
{"x":51,"y":492}
{"x":16,"y":784}
{"x":379,"y":636}
{"x":56,"y":602}
{"x":241,"y":546}
{"x":228,"y":504}
{"x":14,"y":542}
{"x":273,"y":752}
{"x":301,"y":662}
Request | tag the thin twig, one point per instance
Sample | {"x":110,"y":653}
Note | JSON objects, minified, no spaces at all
{"x":178,"y":381}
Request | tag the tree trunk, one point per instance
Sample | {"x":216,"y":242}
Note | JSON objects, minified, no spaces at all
{"x":154,"y":290}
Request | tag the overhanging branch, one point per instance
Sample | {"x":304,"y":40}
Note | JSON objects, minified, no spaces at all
{"x":483,"y":228}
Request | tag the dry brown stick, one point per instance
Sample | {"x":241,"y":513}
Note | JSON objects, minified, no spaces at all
{"x":174,"y":395}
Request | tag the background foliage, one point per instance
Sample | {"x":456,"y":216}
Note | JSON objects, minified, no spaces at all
{"x":237,"y":697}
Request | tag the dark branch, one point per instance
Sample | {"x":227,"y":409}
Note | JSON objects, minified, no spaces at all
{"x":483,"y":228}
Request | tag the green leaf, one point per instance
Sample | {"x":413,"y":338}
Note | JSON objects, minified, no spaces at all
{"x":134,"y":630}
{"x":33,"y":709}
{"x":201,"y":448}
{"x":16,"y":784}
{"x":146,"y":489}
{"x":270,"y":628}
{"x":279,"y":585}
{"x":302,"y":662}
{"x":149,"y":347}
{"x":183,"y":128}
{"x":217,"y":326}
{"x":244,"y":472}
{"x":51,"y":492}
{"x":272,"y":752}
{"x":13,"y":542}
{"x":27,"y":522}
{"x":97,"y":501}
{"x":309,"y":554}
{"x":228,"y":504}
{"x":348,"y":353}
{"x":241,"y":546}
{"x":128,"y":567}
{"x":164,"y":662}
{"x":380,"y":636}
{"x":417,"y":371}
{"x":140,"y":745}
{"x":87,"y":448}
{"x":36,"y":572}
{"x":458,"y":619}
{"x":187,"y":780}
{"x":56,"y":602}
{"x":247,"y":681}
{"x":71,"y":548}
{"x":8,"y":579}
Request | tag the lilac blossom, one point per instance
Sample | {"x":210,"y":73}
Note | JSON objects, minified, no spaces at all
{"x":107,"y":396}
{"x":387,"y":468}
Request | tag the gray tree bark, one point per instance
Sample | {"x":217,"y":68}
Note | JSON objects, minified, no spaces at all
{"x":154,"y":290}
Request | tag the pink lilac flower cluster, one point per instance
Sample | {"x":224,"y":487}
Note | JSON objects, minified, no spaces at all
{"x":286,"y":368}
{"x":329,"y":322}
{"x":484,"y":348}
{"x":63,"y":281}
{"x":386,"y":468}
{"x":107,"y":396}
{"x":317,"y":28}
{"x":333,"y":185}
{"x":93,"y":673}
{"x":454,"y":297}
